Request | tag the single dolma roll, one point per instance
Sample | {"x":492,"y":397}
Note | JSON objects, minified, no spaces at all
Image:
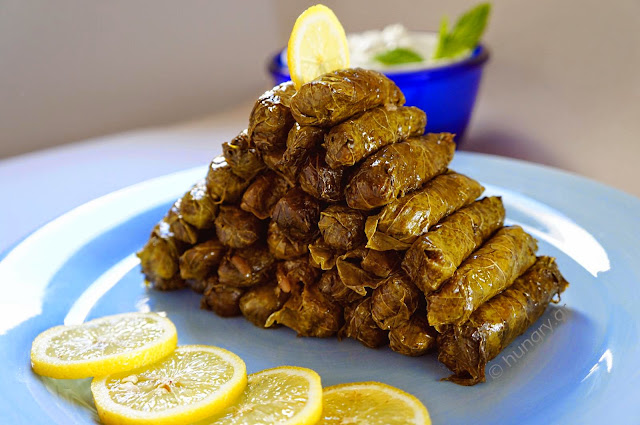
{"x":181,"y":230}
{"x":297,"y":214}
{"x":283,"y":248}
{"x":466,"y":349}
{"x":414,"y":337}
{"x":487,"y":272}
{"x":237,"y":228}
{"x":259,"y":302}
{"x":159,"y":258}
{"x":381,"y":263}
{"x":402,"y":221}
{"x":246,"y":266}
{"x":223,"y":300}
{"x":360,"y":326}
{"x":242,"y":156}
{"x":394,"y":301}
{"x":362,"y":269}
{"x":262,"y":194}
{"x":322,"y":255}
{"x":434,"y":256}
{"x":321,"y":181}
{"x":273,"y":158}
{"x":342,"y":227}
{"x":202,"y":260}
{"x":338,"y":95}
{"x":271,"y":119}
{"x":353,"y":275}
{"x":309,"y":312}
{"x":331,"y":285}
{"x":198,"y":208}
{"x":301,"y":142}
{"x":291,"y":273}
{"x":223,"y":184}
{"x":399,"y":168}
{"x":360,"y":136}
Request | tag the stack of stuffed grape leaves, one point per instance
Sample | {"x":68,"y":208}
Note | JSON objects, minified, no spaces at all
{"x":333,"y":214}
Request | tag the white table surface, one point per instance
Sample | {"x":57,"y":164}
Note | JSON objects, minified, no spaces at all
{"x":38,"y":187}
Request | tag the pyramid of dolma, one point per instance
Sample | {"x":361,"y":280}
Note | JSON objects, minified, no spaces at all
{"x":333,"y":214}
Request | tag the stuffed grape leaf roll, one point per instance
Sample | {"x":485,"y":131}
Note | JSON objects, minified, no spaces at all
{"x":273,"y":158}
{"x":198,"y":208}
{"x":338,"y":95}
{"x":414,"y":337}
{"x":399,"y":168}
{"x":331,"y":285}
{"x":394,"y":301}
{"x":354,"y":277}
{"x":297,"y":214}
{"x":259,"y":302}
{"x":242,"y":156}
{"x":281,"y":247}
{"x":159,"y":258}
{"x":322,"y":255}
{"x":363,"y":269}
{"x":202,"y":260}
{"x":342,"y":227}
{"x":360,"y":136}
{"x":321,"y":181}
{"x":381,"y":263}
{"x":224,"y":300}
{"x":302,"y":141}
{"x":262,"y":194}
{"x":402,"y":221}
{"x":359,"y":325}
{"x":246,"y":266}
{"x":236,"y":228}
{"x":466,"y":348}
{"x":309,"y":312}
{"x":434,"y":256}
{"x":181,"y":230}
{"x":271,"y":119}
{"x":223,"y":184}
{"x":487,"y":272}
{"x":292,"y":273}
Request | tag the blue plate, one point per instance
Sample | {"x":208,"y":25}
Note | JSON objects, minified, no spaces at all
{"x":580,"y":363}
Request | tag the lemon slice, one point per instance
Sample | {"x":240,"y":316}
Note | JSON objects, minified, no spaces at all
{"x":371,"y":403}
{"x":194,"y":382}
{"x":285,"y":395}
{"x":102,"y":346}
{"x":317,"y":45}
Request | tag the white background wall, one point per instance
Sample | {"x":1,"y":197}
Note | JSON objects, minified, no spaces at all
{"x":563,"y":73}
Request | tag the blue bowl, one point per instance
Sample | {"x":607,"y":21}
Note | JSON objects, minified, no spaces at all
{"x":446,"y":93}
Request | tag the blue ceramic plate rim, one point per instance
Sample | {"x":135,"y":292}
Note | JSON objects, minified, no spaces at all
{"x":613,"y":393}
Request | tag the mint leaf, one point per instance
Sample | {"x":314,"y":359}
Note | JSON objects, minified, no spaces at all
{"x":466,"y":33}
{"x":398,"y":56}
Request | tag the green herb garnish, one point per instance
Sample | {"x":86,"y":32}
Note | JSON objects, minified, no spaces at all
{"x":466,"y":33}
{"x":398,"y":56}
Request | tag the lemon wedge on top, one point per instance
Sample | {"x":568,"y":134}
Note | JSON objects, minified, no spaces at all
{"x":103,"y":346}
{"x":317,"y":45}
{"x":194,"y":382}
{"x":285,"y":395}
{"x":371,"y":403}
